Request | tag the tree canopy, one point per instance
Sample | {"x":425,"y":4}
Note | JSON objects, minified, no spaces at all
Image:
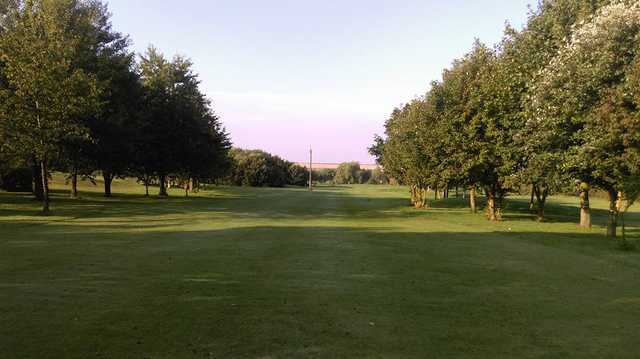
{"x":553,"y":104}
{"x":74,"y":98}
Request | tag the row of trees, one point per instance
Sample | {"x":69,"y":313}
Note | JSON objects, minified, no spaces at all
{"x":256,"y":168}
{"x":74,"y":98}
{"x":552,"y":106}
{"x":351,"y":173}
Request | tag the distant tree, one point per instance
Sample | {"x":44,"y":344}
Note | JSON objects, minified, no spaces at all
{"x":364,"y":176}
{"x":257,"y":168}
{"x":298,"y":175}
{"x":378,"y":177}
{"x":347,"y":173}
{"x":325,"y":175}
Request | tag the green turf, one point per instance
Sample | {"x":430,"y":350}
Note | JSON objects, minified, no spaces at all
{"x":344,"y":272}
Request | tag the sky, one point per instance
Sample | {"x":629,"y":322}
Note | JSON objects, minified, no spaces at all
{"x":286,"y":75}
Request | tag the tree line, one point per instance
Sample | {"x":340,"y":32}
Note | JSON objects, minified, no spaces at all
{"x":75,"y":98}
{"x":352,"y":173}
{"x":257,"y":168}
{"x":553,"y":107}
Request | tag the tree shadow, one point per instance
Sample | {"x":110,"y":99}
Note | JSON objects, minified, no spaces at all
{"x":327,"y":202}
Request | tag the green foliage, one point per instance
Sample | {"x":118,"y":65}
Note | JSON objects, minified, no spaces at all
{"x":378,"y":177}
{"x":348,"y":173}
{"x":45,"y":92}
{"x":257,"y":168}
{"x":553,"y":102}
{"x":324,"y":175}
{"x":74,"y":99}
{"x":298,"y":175}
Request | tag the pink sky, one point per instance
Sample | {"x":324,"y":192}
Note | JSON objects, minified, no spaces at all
{"x":285,"y":75}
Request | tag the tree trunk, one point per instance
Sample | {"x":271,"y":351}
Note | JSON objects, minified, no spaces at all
{"x":146,"y":185}
{"x":38,"y":190}
{"x":163,"y":186}
{"x":186,"y":187}
{"x":195,"y":187}
{"x":624,"y":229}
{"x":457,"y":192}
{"x":533,"y":194}
{"x":540,"y":214}
{"x":108,"y":178}
{"x":74,"y":183}
{"x":472,"y":199}
{"x":612,"y":223}
{"x":413,"y":196}
{"x":44,"y":172}
{"x":540,"y":200}
{"x":435,"y":190}
{"x":421,"y":199}
{"x":585,"y":209}
{"x":493,"y":206}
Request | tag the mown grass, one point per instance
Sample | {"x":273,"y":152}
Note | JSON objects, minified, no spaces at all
{"x":343,"y":272}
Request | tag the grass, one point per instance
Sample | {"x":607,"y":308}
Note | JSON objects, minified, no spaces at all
{"x":343,"y":272}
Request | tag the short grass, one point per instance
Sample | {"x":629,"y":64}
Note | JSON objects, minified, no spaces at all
{"x":343,"y":272}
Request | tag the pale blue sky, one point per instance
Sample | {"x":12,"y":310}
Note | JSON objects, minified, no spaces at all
{"x":284,"y":75}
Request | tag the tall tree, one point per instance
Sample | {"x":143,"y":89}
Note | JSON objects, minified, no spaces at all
{"x":179,"y":135}
{"x":586,"y":104}
{"x":45,"y":92}
{"x":459,"y":133}
{"x":105,"y":53}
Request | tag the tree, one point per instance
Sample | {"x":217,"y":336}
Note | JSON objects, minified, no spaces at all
{"x":179,"y":134}
{"x":257,"y":168}
{"x":112,"y":130}
{"x":298,"y":175}
{"x":586,"y":101}
{"x":347,"y":173}
{"x":378,"y":177}
{"x":45,"y":93}
{"x":405,"y":155}
{"x":325,"y":175}
{"x":377,"y":149}
{"x":459,"y":134}
{"x":542,"y":165}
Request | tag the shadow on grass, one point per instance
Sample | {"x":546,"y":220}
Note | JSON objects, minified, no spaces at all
{"x":327,"y":202}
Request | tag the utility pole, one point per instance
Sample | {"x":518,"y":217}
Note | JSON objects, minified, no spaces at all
{"x":310,"y":169}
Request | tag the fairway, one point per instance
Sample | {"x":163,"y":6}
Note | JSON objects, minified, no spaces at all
{"x":284,"y":273}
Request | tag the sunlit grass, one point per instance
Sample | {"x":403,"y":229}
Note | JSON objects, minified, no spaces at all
{"x":281,"y":273}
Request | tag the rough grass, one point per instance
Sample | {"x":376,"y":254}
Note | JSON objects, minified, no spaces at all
{"x":344,"y":272}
